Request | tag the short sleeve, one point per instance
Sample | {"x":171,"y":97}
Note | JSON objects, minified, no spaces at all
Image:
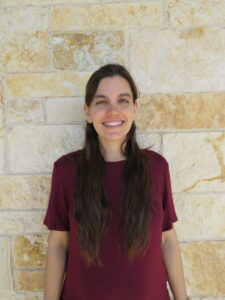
{"x":56,"y":217}
{"x":169,"y":216}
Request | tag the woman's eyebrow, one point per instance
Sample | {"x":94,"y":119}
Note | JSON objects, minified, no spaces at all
{"x":123,"y":94}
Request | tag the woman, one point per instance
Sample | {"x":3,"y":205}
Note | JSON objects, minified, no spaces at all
{"x":110,"y":209}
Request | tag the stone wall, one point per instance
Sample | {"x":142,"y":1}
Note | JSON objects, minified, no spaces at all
{"x":175,"y":51}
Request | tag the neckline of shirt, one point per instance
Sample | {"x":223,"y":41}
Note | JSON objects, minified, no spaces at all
{"x":115,"y":163}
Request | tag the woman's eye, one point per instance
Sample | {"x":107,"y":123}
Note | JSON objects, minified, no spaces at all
{"x":124,"y":100}
{"x":101,"y":101}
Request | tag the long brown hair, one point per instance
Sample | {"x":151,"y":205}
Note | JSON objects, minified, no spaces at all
{"x":91,"y":208}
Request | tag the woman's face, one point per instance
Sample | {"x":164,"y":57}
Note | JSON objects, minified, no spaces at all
{"x":112,"y":110}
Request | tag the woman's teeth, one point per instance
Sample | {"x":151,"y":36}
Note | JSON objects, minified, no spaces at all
{"x":113,"y":124}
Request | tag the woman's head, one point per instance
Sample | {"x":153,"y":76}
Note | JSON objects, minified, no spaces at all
{"x":111,"y":104}
{"x":108,"y":70}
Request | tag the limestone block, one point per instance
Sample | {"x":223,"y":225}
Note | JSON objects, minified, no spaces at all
{"x":22,"y":222}
{"x":149,"y":140}
{"x":201,"y":217}
{"x":30,"y":280}
{"x":24,"y":112}
{"x":106,"y":17}
{"x":179,"y":59}
{"x":65,"y":110}
{"x":24,"y":192}
{"x":187,"y":111}
{"x":45,"y":2}
{"x":86,"y":51}
{"x":10,"y":295}
{"x":40,"y":146}
{"x":2,"y":131}
{"x":7,"y":295}
{"x":204,"y":264}
{"x":194,"y":13}
{"x":6,"y":281}
{"x":30,"y":296}
{"x":25,"y":52}
{"x":113,"y":1}
{"x":23,"y":19}
{"x":1,"y":109}
{"x":196,"y":161}
{"x":207,"y":298}
{"x":30,"y":251}
{"x":1,"y":156}
{"x":46,"y":84}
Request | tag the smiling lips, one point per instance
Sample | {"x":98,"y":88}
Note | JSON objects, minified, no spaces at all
{"x":113,"y":124}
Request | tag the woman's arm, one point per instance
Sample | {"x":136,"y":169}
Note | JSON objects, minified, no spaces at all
{"x":173,"y":263}
{"x":55,"y":264}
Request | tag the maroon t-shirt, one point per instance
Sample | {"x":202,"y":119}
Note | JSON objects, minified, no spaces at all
{"x":146,"y":277}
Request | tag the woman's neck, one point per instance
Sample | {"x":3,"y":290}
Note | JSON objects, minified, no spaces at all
{"x":112,"y":152}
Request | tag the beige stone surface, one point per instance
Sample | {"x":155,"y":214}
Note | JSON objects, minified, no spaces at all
{"x":204,"y":264}
{"x":64,"y":110}
{"x":7,"y":295}
{"x":46,"y":84}
{"x":1,"y":155}
{"x":24,"y":192}
{"x":152,"y":140}
{"x":201,"y":217}
{"x":40,"y":146}
{"x":87,"y":51}
{"x":198,"y":12}
{"x":6,"y":281}
{"x":196,"y":161}
{"x":114,"y":1}
{"x":1,"y":108}
{"x":25,"y":52}
{"x":10,"y":295}
{"x":22,"y":222}
{"x":23,"y":19}
{"x":207,"y":298}
{"x":2,"y":131}
{"x":105,"y":17}
{"x":30,"y":251}
{"x":24,"y":112}
{"x":45,"y":2}
{"x":30,"y":296}
{"x":179,"y":60}
{"x":30,"y":280}
{"x":182,"y":111}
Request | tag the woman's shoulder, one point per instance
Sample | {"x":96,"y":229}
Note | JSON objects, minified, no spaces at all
{"x":156,"y":158}
{"x":67,"y":159}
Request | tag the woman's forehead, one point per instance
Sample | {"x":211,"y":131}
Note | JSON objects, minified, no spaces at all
{"x":115,"y":84}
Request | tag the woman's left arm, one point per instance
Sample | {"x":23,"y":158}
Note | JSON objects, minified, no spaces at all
{"x":173,"y":263}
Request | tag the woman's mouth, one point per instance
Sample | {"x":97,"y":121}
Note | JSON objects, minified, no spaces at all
{"x":113,"y":124}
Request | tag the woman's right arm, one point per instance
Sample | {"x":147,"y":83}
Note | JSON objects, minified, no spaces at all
{"x":58,"y":243}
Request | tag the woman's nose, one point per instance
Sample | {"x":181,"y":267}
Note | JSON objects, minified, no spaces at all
{"x":113,"y":107}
